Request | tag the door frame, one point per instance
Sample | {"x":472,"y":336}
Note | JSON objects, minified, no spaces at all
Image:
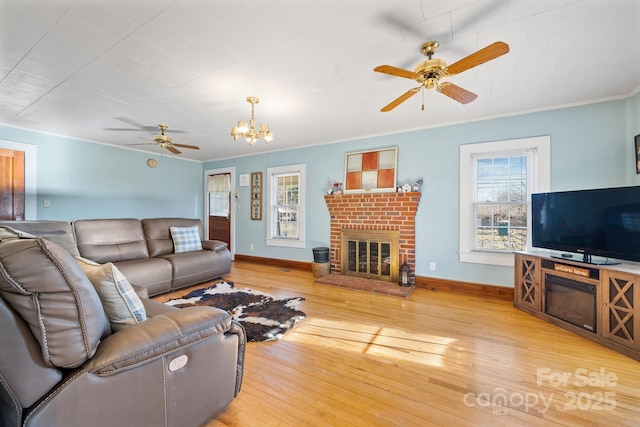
{"x":232,"y":208}
{"x":30,"y":172}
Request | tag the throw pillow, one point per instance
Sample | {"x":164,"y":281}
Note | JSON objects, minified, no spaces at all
{"x":120,"y":301}
{"x":185,"y":239}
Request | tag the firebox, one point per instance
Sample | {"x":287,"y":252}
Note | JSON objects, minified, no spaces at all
{"x":571,"y":301}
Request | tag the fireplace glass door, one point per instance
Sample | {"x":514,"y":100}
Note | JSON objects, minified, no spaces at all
{"x":369,"y":258}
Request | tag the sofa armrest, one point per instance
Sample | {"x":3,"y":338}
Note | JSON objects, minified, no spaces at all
{"x":157,"y":337}
{"x":214,"y":245}
{"x":140,"y":291}
{"x":238,"y":330}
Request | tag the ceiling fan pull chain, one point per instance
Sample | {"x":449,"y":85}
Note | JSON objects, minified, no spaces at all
{"x":423,"y":99}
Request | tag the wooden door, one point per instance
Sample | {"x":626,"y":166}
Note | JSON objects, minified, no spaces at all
{"x":11,"y":184}
{"x":220,"y":217}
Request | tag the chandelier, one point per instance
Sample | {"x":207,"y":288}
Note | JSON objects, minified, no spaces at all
{"x":249,"y":131}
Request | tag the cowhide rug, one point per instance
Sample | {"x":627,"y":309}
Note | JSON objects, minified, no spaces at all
{"x":263,"y":316}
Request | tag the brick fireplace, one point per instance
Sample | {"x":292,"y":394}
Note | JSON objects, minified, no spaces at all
{"x":376,"y":212}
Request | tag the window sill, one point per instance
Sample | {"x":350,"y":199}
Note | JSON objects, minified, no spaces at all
{"x":286,"y":243}
{"x":490,"y":258}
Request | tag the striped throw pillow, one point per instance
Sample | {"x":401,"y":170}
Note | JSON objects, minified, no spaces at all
{"x":119,"y":299}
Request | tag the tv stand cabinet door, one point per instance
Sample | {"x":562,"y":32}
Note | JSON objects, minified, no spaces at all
{"x":528,"y":279}
{"x":620,"y":313}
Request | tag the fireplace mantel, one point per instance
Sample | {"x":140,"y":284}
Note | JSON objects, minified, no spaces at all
{"x":374,"y":211}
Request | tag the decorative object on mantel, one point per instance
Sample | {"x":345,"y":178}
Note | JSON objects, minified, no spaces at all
{"x":418,"y":184}
{"x":335,"y":187}
{"x":249,"y":131}
{"x":256,"y":196}
{"x":373,"y":171}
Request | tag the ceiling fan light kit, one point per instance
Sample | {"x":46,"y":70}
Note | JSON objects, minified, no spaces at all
{"x":249,"y":130}
{"x":428,"y":73}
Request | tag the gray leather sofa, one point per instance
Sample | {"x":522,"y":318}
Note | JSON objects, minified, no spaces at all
{"x":61,"y":365}
{"x":142,"y":249}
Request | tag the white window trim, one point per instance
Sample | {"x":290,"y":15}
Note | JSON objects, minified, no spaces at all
{"x":289,"y":243}
{"x":539,"y":176}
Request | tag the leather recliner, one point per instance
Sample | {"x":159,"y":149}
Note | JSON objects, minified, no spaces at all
{"x":62,"y":365}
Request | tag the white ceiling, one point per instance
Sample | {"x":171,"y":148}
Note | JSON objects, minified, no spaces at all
{"x":83,"y":68}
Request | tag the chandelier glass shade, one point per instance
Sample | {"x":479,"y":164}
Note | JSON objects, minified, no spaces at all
{"x":248,"y":130}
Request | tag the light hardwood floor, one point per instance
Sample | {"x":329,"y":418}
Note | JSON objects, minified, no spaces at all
{"x":435,"y":358}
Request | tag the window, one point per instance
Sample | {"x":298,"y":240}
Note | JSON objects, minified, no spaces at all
{"x":497,"y":179}
{"x":285,"y":214}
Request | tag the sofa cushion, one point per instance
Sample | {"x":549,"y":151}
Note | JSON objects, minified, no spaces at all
{"x":194,"y":267}
{"x":120,"y":301}
{"x":153,"y":274}
{"x":45,"y":285}
{"x":185,"y":239}
{"x":110,"y":240}
{"x":59,"y":232}
{"x":158,"y":235}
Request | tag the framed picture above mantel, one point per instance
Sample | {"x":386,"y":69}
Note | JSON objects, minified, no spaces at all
{"x":373,"y":171}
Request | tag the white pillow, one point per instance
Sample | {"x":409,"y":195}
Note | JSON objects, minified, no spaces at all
{"x":120,"y":301}
{"x":185,"y":239}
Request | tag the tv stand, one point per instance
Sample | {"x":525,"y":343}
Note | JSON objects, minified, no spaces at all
{"x":608,"y":297}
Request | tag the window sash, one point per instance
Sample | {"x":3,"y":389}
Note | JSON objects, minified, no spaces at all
{"x":286,"y":206}
{"x":494,"y":207}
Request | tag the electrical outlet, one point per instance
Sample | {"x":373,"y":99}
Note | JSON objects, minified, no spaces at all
{"x":432,"y":266}
{"x":252,"y":246}
{"x":46,"y":203}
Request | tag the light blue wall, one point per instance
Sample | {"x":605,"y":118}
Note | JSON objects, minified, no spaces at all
{"x":88,"y":180}
{"x":589,"y":148}
{"x":633,"y":129}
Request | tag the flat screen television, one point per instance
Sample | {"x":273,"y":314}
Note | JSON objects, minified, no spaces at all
{"x":602,"y":222}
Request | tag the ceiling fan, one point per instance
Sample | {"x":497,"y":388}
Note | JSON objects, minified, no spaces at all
{"x":136,"y":126}
{"x":164,"y":141}
{"x":428,"y":73}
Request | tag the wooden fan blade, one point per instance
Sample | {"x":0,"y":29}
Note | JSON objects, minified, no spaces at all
{"x":173,"y":149}
{"x":395,"y":71}
{"x":485,"y":54}
{"x":192,"y":147}
{"x":399,"y":100}
{"x":456,"y":93}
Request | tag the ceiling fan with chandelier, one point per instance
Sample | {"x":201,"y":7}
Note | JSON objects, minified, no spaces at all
{"x":164,"y":141}
{"x":428,"y":73}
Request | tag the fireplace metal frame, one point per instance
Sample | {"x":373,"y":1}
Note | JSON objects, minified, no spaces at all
{"x":390,"y":236}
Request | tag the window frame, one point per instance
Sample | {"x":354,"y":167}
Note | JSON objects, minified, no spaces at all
{"x":272,"y":174}
{"x":538,"y":180}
